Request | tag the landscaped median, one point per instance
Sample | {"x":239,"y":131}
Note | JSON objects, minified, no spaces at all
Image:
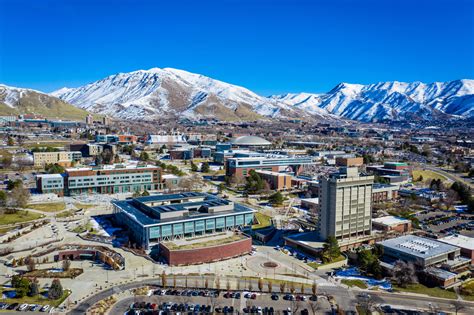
{"x":41,"y":298}
{"x":421,"y":289}
{"x":334,"y":263}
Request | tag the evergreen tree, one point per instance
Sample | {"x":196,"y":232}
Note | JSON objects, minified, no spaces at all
{"x":205,"y":167}
{"x":56,"y":290}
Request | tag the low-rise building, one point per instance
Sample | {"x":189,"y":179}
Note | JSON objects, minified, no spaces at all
{"x":159,"y":218}
{"x":63,"y":158}
{"x":107,"y":179}
{"x":276,"y":180}
{"x":466,"y":244}
{"x":50,"y":184}
{"x":384,"y":192}
{"x":391,"y":223}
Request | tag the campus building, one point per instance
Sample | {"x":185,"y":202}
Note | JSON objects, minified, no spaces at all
{"x":240,"y":167}
{"x":466,"y":244}
{"x":50,"y":184}
{"x":276,"y":181}
{"x":440,"y":263}
{"x":345,"y":200}
{"x":63,"y":158}
{"x":107,"y":179}
{"x":159,"y":218}
{"x":392,"y":224}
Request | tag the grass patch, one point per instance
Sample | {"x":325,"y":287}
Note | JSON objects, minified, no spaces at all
{"x":427,"y":175}
{"x":82,"y":228}
{"x":355,"y":283}
{"x":19,"y":217}
{"x":79,"y":205}
{"x":66,"y":214}
{"x":263,"y":221}
{"x":421,"y":289}
{"x":48,"y":207}
{"x":39,"y":299}
{"x":315,"y":265}
{"x":46,"y":273}
{"x":467,"y":290}
{"x":215,"y":242}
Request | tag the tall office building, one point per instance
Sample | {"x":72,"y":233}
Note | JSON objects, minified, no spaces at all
{"x":345,"y":200}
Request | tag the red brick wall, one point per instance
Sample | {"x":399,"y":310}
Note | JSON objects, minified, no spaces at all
{"x":207,"y":254}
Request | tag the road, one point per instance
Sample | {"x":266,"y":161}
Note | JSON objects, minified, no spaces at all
{"x":451,"y":176}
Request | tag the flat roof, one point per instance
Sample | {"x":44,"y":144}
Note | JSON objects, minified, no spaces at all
{"x":390,"y":220}
{"x":49,"y":175}
{"x":418,"y":246}
{"x":140,"y":210}
{"x":459,"y":241}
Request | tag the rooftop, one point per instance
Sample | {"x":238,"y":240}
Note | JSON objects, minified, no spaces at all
{"x":459,"y":241}
{"x":250,"y":141}
{"x":390,"y":220}
{"x":418,"y":246}
{"x":157,"y":209}
{"x":207,"y":241}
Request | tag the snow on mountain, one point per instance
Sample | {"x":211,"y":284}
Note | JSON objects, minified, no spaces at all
{"x":16,"y":101}
{"x":160,"y":92}
{"x":167,"y":92}
{"x":390,"y":100}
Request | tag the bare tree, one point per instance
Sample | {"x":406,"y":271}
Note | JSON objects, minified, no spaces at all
{"x":260,"y":284}
{"x":164,"y":280}
{"x":458,"y":306}
{"x":66,"y":264}
{"x":30,"y":263}
{"x":227,"y":285}
{"x":302,"y":288}
{"x":206,"y":283}
{"x":270,"y":286}
{"x":282,"y":287}
{"x":174,"y":281}
{"x":217,"y":283}
{"x":314,"y":288}
{"x":404,"y":273}
{"x":292,"y":287}
{"x":314,"y":306}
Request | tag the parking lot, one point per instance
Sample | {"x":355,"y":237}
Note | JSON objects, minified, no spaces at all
{"x":446,"y":222}
{"x":197,"y":301}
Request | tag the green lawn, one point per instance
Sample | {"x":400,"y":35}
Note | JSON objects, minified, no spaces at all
{"x":48,"y":207}
{"x":263,"y":221}
{"x":19,"y":217}
{"x":39,"y":299}
{"x":316,"y":265}
{"x":421,"y":289}
{"x":427,"y":175}
{"x":354,"y":283}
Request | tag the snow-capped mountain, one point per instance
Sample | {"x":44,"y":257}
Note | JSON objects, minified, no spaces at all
{"x":15,"y":101}
{"x":163,"y":92}
{"x":390,"y":100}
{"x":147,"y":94}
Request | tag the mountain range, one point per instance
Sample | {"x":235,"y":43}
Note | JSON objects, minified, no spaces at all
{"x":167,"y":92}
{"x":16,"y":101}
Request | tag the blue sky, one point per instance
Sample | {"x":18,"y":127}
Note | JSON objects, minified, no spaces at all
{"x":269,"y":46}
